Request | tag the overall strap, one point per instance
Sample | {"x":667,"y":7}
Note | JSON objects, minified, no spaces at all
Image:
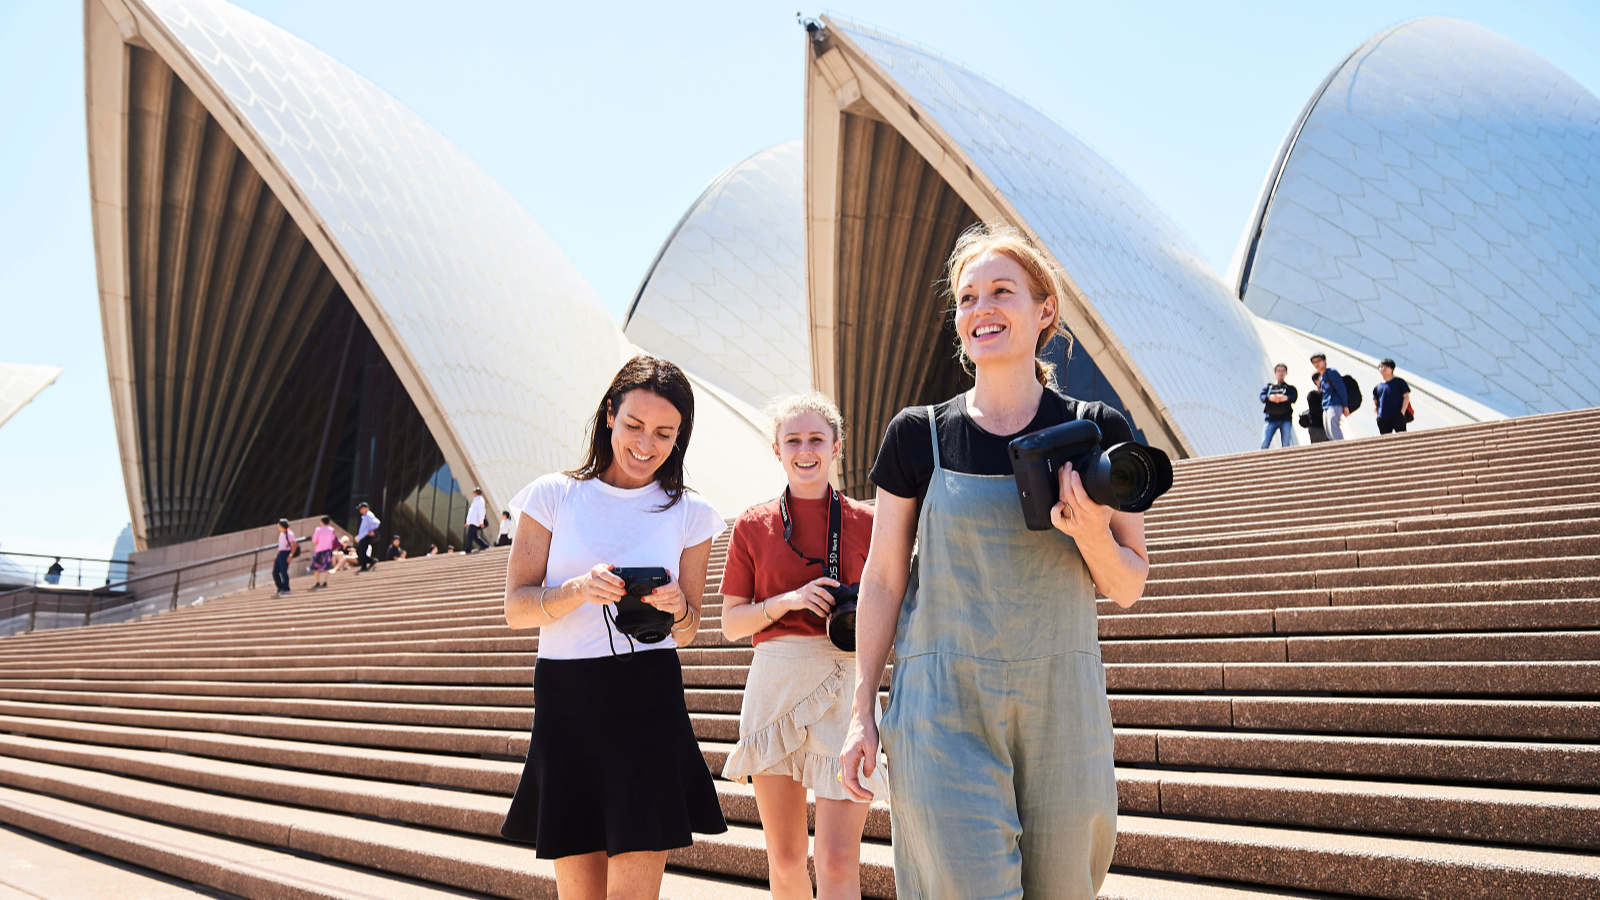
{"x":933,"y":429}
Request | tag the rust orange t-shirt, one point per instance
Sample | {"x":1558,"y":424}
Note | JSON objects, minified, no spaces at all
{"x":761,"y":565}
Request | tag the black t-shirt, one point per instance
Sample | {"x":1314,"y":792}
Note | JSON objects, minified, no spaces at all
{"x":1389,"y":397}
{"x":905,"y":461}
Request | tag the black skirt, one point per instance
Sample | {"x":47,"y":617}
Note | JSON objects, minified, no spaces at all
{"x":613,"y":764}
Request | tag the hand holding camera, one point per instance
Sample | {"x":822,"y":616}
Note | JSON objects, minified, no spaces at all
{"x":601,"y":586}
{"x":813,"y":597}
{"x":641,"y":619}
{"x":1128,"y":476}
{"x":1077,"y":515}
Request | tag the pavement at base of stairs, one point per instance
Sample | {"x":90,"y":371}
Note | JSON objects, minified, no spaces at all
{"x":37,"y":868}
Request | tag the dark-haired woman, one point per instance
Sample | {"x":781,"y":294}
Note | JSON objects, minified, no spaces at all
{"x":998,"y":732}
{"x":614,"y":777}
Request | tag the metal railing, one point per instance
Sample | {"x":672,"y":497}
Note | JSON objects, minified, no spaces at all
{"x":114,"y":597}
{"x":41,"y":573}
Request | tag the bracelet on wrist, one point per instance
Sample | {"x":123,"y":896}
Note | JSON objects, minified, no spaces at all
{"x":688,"y":617}
{"x":542,"y":592}
{"x":767,"y":614}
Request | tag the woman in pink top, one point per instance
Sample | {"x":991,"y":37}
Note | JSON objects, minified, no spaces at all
{"x":323,"y":540}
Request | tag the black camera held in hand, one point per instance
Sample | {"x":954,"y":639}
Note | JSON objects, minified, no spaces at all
{"x":842,"y":617}
{"x":1129,"y":476}
{"x":636,"y":618}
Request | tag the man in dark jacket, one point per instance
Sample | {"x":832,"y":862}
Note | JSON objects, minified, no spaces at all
{"x":1335,"y":405}
{"x":1278,"y":399}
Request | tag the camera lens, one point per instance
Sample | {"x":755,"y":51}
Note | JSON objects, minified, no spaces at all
{"x":1130,"y":477}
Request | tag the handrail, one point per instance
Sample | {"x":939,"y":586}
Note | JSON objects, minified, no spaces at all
{"x":114,"y":562}
{"x":176,"y":573}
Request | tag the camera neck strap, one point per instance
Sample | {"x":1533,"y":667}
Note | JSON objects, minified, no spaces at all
{"x":835,"y":527}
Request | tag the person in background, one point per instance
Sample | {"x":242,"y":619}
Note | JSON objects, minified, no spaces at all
{"x":1391,"y":399}
{"x":433,"y":550}
{"x":344,"y":556}
{"x":1312,"y":417}
{"x":1278,"y":398}
{"x":449,"y":549}
{"x":367,"y":538}
{"x":1335,"y":405}
{"x":52,"y":575}
{"x":477,"y":515}
{"x":280,"y":564}
{"x":508,"y":527}
{"x":396,"y":552}
{"x":323,"y":540}
{"x":797,"y":700}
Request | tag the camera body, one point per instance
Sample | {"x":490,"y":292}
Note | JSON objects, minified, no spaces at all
{"x":842,"y":616}
{"x":1128,"y":477}
{"x":636,"y":618}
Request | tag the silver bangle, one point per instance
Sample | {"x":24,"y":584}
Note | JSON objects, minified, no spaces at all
{"x":541,"y":604}
{"x":688,"y":618}
{"x":767,"y":614}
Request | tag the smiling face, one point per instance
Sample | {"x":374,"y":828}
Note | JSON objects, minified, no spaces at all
{"x":644,"y":429}
{"x":997,"y":317}
{"x":806,"y":447}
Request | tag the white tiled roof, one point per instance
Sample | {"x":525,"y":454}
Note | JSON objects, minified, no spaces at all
{"x":726,"y":297}
{"x":20,"y":383}
{"x":505,"y":332}
{"x":1440,"y":204}
{"x":1196,"y":345}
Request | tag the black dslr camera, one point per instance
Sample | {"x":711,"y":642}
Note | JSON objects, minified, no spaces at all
{"x":1129,"y":476}
{"x":842,"y":617}
{"x":636,"y":618}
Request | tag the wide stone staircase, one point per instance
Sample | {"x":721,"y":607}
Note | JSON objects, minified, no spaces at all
{"x":1362,"y":669}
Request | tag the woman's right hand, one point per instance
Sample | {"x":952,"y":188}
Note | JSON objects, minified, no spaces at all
{"x":601,"y":586}
{"x":860,"y":753}
{"x":812,"y":596}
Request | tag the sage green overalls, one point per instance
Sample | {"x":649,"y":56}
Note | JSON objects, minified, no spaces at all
{"x":998,"y":730}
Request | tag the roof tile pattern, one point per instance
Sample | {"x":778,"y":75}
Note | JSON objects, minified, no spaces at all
{"x":726,"y":296}
{"x":1440,"y":206}
{"x":1163,"y":302}
{"x":508,"y":336}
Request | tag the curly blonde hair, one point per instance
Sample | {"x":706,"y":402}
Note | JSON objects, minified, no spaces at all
{"x":1045,"y":279}
{"x":785,"y":408}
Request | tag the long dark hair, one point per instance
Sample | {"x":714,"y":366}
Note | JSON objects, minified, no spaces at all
{"x":665,"y":380}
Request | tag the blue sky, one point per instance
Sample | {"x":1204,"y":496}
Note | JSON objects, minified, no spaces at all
{"x":607,"y":120}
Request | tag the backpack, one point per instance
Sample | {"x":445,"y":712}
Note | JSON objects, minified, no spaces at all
{"x":294,"y":553}
{"x":1352,"y":392}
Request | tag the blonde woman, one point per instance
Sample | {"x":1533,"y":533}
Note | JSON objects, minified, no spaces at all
{"x":998,"y":727}
{"x":777,"y":591}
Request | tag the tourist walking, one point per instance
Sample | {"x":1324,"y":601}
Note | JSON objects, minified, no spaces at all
{"x":1335,"y":400}
{"x":614,"y":777}
{"x":508,"y":527}
{"x":1278,"y":399}
{"x":1391,"y":400}
{"x":288,"y":546}
{"x":477,"y":513}
{"x":1311,"y":419}
{"x":323,"y":540}
{"x":52,"y":575}
{"x":777,"y":589}
{"x":367,"y":538}
{"x":998,"y":731}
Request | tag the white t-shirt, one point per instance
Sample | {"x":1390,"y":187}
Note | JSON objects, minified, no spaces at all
{"x":475,"y":512}
{"x":591,"y":522}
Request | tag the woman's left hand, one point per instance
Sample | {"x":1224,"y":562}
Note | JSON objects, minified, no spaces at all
{"x":668,"y":598}
{"x":1076,"y":515}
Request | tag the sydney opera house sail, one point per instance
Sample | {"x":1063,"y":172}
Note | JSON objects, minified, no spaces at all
{"x":725,"y":296}
{"x":1439,"y":202}
{"x":905,"y":148}
{"x":309,"y":296}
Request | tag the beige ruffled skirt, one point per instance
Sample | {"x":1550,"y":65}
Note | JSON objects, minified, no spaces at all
{"x":795,"y":715}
